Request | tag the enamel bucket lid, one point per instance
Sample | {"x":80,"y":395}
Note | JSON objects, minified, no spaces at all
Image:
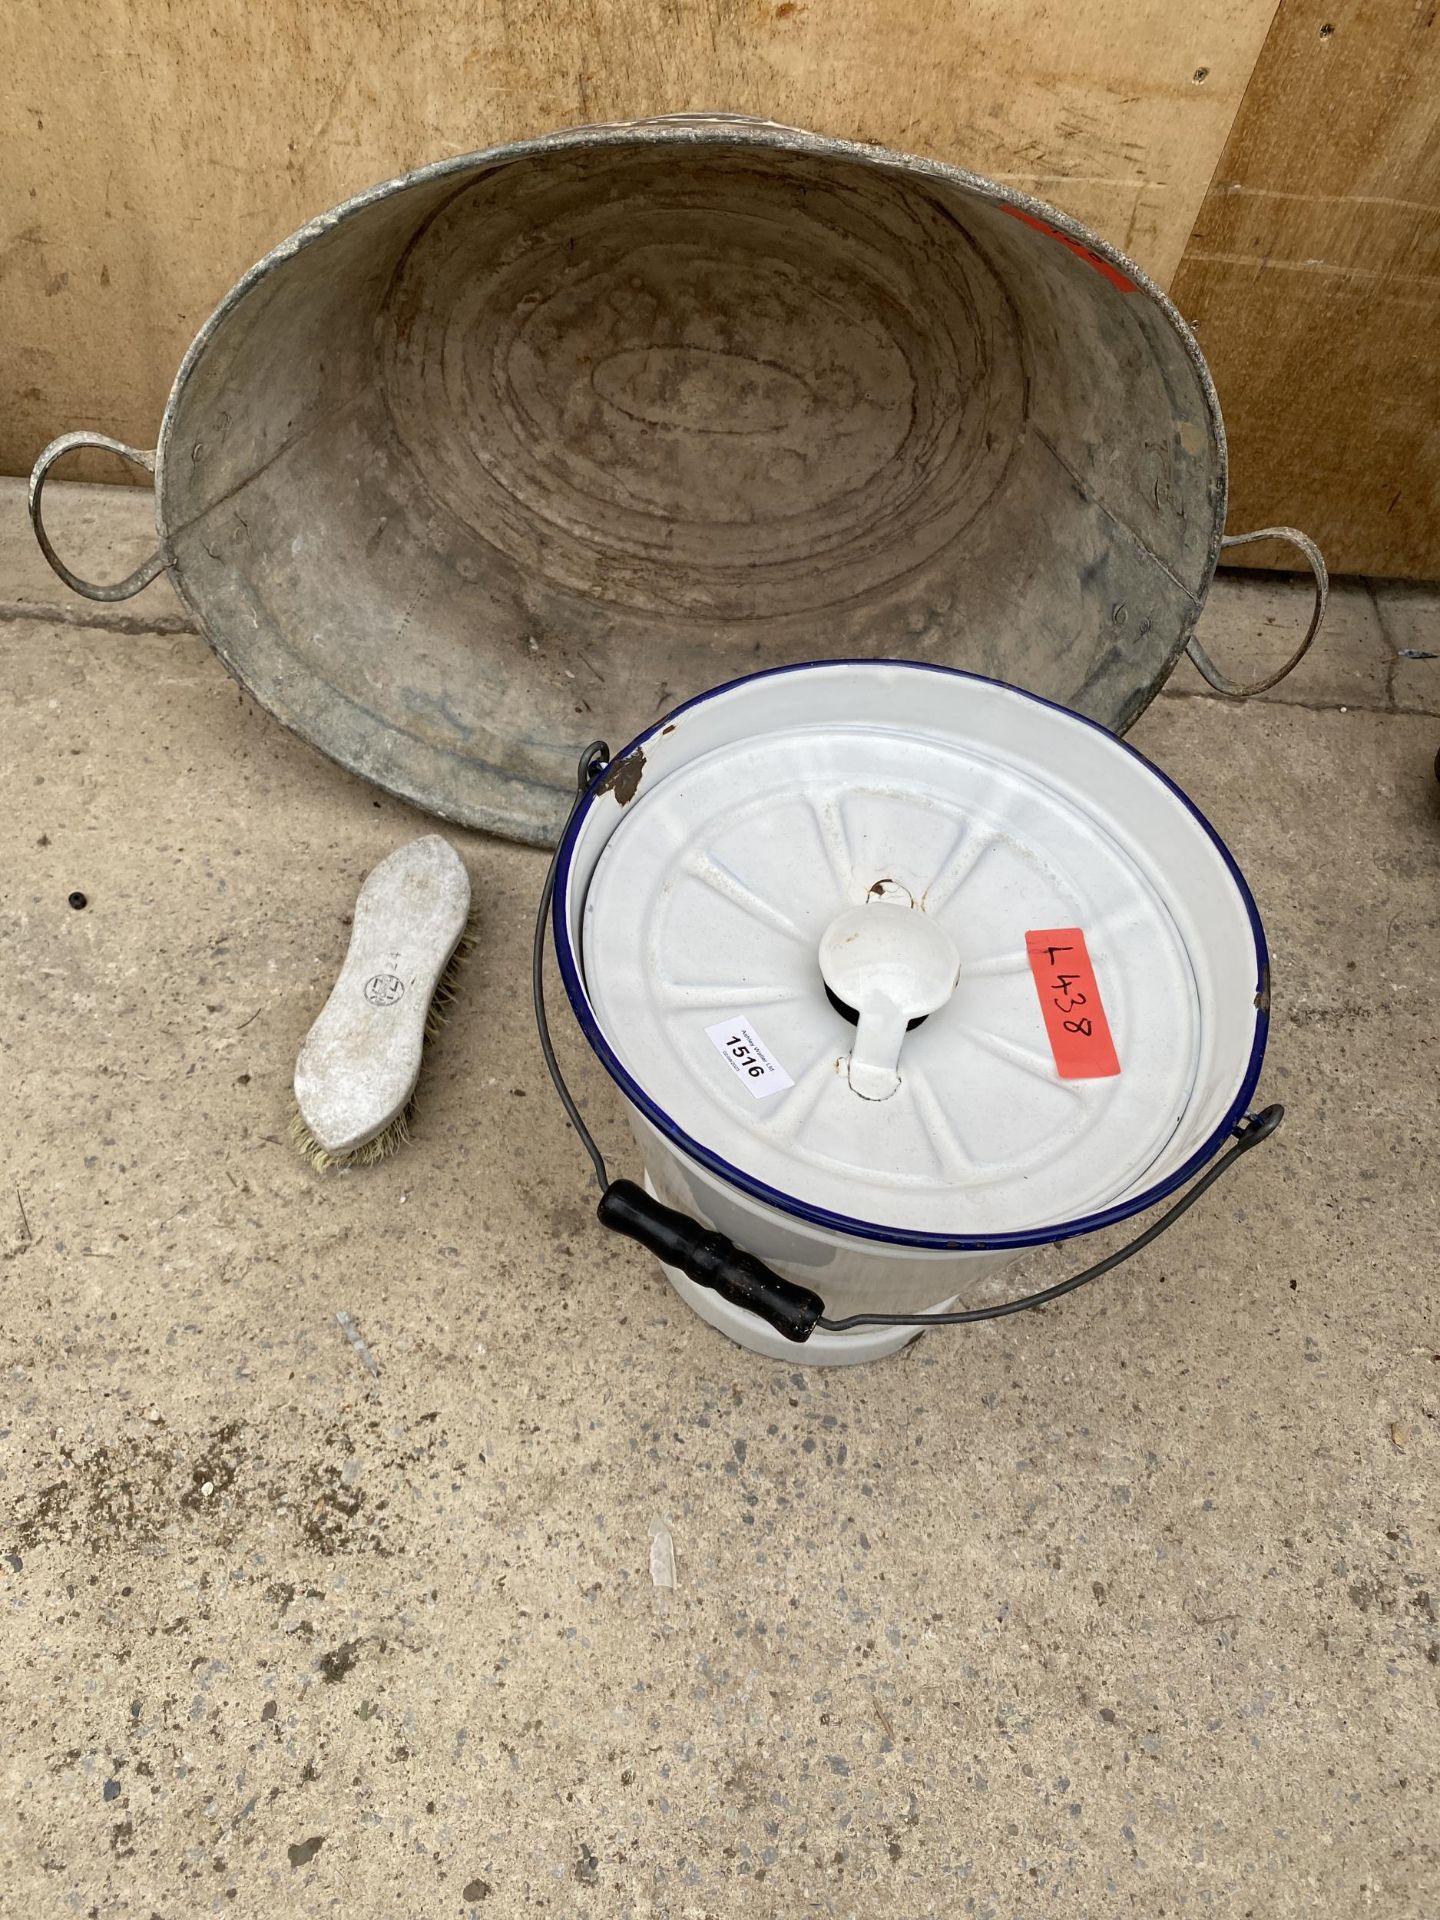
{"x":913,"y":956}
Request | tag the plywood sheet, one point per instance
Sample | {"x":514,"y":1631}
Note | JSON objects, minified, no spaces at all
{"x":1313,"y":283}
{"x":149,"y":153}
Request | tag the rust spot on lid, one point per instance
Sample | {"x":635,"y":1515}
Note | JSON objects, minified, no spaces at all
{"x":623,"y":779}
{"x":669,"y":729}
{"x":1262,"y":993}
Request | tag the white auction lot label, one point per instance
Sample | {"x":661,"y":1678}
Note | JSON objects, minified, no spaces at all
{"x":750,"y":1057}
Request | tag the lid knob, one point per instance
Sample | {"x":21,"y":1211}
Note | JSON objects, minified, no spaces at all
{"x":893,"y":964}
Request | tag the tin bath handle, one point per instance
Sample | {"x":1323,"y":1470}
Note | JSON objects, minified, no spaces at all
{"x":57,"y":449}
{"x":1222,"y":682}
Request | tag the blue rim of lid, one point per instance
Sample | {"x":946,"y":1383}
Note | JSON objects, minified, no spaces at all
{"x":823,"y":1217}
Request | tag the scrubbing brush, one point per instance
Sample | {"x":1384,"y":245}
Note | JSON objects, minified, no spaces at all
{"x":356,"y":1074}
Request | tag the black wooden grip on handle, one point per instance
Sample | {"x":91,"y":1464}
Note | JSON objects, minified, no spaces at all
{"x":710,"y":1260}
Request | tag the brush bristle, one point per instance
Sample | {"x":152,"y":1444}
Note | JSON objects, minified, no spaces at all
{"x":446,"y":985}
{"x":390,"y":1138}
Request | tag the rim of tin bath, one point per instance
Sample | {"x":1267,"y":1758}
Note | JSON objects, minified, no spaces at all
{"x":716,"y":130}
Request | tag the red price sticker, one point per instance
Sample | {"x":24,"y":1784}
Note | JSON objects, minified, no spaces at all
{"x":1070,"y":1001}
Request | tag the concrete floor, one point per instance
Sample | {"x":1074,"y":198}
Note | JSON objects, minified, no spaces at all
{"x":1129,"y":1607}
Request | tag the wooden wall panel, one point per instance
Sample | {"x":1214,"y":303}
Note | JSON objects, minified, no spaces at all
{"x":1313,"y":282}
{"x":150,"y":150}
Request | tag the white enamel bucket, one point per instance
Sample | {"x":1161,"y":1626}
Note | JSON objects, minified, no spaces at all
{"x":797,"y":921}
